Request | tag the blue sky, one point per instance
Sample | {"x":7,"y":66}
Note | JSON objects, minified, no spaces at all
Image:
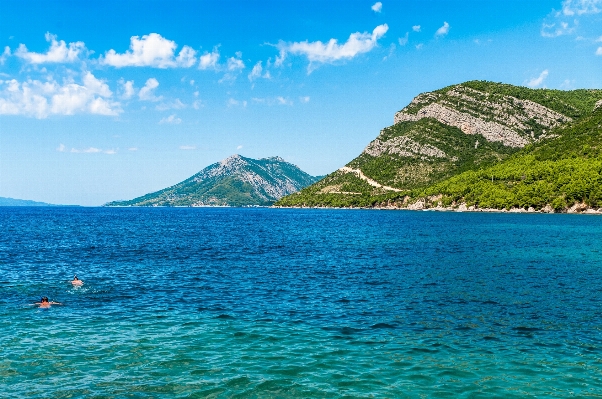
{"x":110,"y":100}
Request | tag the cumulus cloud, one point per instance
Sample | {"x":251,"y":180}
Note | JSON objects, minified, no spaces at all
{"x":58,"y":52}
{"x":535,"y":82}
{"x":209,"y":60}
{"x":187,"y":147}
{"x":147,"y":93}
{"x":304,"y":99}
{"x":580,"y":7}
{"x":39,"y":99}
{"x":127,"y":89}
{"x":599,"y":51}
{"x":239,"y":147}
{"x":172,"y":119}
{"x":61,"y":148}
{"x":318,"y":52}
{"x":377,"y":7}
{"x":235,"y":64}
{"x":442,"y":31}
{"x":416,"y":28}
{"x":152,"y":50}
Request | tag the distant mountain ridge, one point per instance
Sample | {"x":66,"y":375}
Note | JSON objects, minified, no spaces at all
{"x":479,"y":144}
{"x":235,"y":181}
{"x":5,"y":201}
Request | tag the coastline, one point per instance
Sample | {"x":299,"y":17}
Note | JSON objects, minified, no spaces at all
{"x":576,"y":209}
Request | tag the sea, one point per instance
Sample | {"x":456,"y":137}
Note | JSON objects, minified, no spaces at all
{"x":299,"y":303}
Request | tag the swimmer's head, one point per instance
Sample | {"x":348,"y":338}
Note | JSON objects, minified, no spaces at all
{"x":75,"y":277}
{"x":45,"y":299}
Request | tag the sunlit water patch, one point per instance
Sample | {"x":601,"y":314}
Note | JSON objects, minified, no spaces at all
{"x":299,"y":303}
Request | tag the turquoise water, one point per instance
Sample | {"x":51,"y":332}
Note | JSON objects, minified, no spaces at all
{"x":274,"y":303}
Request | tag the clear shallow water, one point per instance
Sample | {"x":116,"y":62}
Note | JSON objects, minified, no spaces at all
{"x":260,"y":303}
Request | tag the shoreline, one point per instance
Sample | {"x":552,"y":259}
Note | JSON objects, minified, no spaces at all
{"x":577,"y":209}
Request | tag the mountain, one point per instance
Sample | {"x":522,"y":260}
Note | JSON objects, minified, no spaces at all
{"x":19,"y":202}
{"x":235,"y":181}
{"x":479,"y":144}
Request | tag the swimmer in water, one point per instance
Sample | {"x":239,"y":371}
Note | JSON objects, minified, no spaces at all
{"x":45,"y":303}
{"x":76,"y":281}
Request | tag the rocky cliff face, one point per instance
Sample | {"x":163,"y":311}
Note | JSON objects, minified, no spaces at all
{"x":235,"y":181}
{"x":454,"y":130}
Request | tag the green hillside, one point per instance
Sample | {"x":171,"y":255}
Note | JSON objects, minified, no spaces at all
{"x":235,"y":181}
{"x":541,"y":147}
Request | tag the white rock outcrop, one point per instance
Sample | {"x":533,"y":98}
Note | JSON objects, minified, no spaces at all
{"x":507,"y":120}
{"x":403,"y":146}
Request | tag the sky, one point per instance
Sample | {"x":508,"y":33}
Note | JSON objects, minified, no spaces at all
{"x":110,"y":100}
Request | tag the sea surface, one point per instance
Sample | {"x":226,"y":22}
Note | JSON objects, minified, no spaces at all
{"x":292,"y":303}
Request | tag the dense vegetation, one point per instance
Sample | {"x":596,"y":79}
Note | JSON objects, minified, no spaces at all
{"x":558,"y":171}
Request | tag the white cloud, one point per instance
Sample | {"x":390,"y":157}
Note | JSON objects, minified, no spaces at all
{"x":419,"y":46}
{"x":147,"y":93}
{"x":442,"y":31}
{"x":235,"y":64}
{"x":187,"y":57}
{"x":209,"y":60}
{"x":304,"y":99}
{"x":580,"y":7}
{"x":567,"y":84}
{"x":599,"y":51}
{"x":535,"y":82}
{"x":40,"y":99}
{"x":187,"y":147}
{"x":404,"y":40}
{"x":173,"y":119}
{"x":151,"y":50}
{"x":176,"y":104}
{"x":233,"y":102}
{"x":58,"y":52}
{"x":416,"y":28}
{"x":127,"y":89}
{"x":256,"y":71}
{"x":331,"y":51}
{"x":133,"y":149}
{"x":4,"y":55}
{"x":61,"y":148}
{"x":239,"y":147}
{"x":93,"y":150}
{"x":283,"y":101}
{"x":377,"y":7}
{"x":197,"y":104}
{"x":556,"y":29}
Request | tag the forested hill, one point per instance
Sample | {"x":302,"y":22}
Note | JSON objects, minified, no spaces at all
{"x":235,"y":181}
{"x":481,"y":145}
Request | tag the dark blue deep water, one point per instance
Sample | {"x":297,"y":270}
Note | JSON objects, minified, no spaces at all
{"x":275,"y":303}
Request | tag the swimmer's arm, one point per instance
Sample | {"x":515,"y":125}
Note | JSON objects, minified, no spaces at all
{"x":55,"y":303}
